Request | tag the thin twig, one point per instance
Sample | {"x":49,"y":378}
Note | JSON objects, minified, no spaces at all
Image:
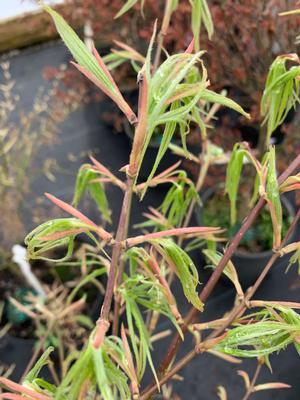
{"x":103,"y":321}
{"x":162,"y":33}
{"x":253,"y":382}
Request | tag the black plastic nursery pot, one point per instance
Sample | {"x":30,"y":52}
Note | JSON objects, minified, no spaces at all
{"x":16,"y":351}
{"x":250,"y":265}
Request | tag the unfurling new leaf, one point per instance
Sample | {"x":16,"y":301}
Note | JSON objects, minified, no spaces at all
{"x":180,"y":262}
{"x":229,"y":270}
{"x":87,"y":180}
{"x":53,"y":234}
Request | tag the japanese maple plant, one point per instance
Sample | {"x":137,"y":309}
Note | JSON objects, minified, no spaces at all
{"x":141,"y":269}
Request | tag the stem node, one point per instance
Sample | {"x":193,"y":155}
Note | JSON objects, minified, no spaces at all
{"x":102,"y":327}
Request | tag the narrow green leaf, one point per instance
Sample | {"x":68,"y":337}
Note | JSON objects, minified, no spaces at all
{"x":256,"y":340}
{"x":126,"y":7}
{"x":91,"y":65}
{"x":40,"y":363}
{"x":40,"y":383}
{"x":82,"y":369}
{"x":200,"y":13}
{"x":101,"y":376}
{"x":295,"y":259}
{"x":196,"y":21}
{"x":273,"y":199}
{"x":233,"y":174}
{"x":216,"y":98}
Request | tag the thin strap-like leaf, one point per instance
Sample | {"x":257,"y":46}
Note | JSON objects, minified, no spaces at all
{"x":89,"y":64}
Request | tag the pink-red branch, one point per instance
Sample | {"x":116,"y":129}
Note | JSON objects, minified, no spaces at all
{"x":21,"y":389}
{"x":199,"y":231}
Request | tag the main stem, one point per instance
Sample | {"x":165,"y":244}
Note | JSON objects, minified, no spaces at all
{"x":103,"y":321}
{"x":119,"y":278}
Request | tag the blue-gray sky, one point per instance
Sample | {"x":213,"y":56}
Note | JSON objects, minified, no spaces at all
{"x":11,"y":8}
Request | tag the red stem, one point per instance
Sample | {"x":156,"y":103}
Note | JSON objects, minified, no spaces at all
{"x":103,"y":321}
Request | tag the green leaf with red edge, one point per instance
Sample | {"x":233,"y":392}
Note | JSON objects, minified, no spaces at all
{"x":70,"y":210}
{"x":207,"y":232}
{"x":16,"y":387}
{"x":91,"y":65}
{"x":102,"y":233}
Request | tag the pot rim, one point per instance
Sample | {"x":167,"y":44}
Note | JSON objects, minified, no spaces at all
{"x":255,"y":255}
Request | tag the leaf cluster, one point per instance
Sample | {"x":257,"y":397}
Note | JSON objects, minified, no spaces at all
{"x":265,"y":333}
{"x":281,"y":92}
